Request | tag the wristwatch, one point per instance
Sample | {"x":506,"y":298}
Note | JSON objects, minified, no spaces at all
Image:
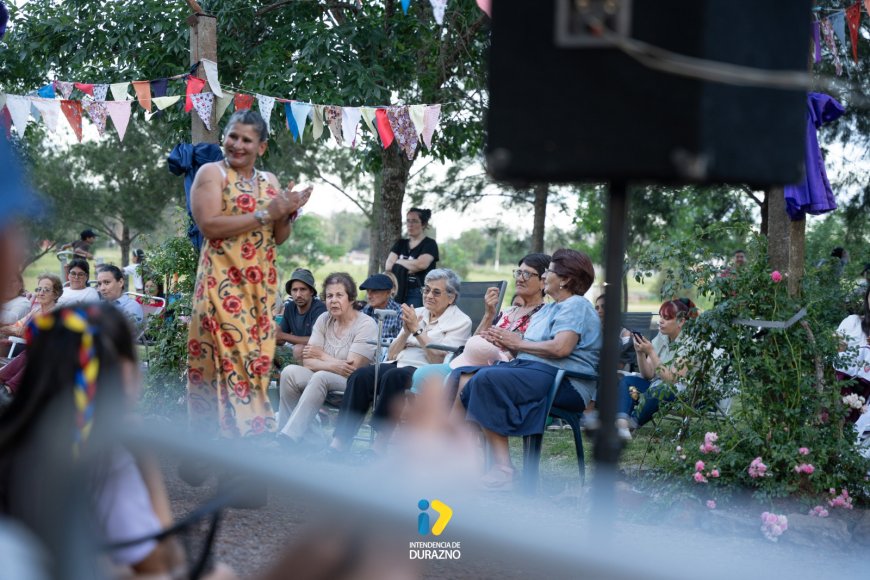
{"x":418,"y":332}
{"x":262,"y":216}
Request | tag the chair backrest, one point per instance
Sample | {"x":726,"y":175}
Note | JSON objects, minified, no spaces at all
{"x":471,"y":296}
{"x":638,"y":321}
{"x":151,"y":305}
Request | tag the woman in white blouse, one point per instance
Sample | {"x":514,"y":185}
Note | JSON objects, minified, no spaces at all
{"x":854,"y":360}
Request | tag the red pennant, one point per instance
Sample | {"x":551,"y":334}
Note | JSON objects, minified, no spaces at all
{"x":6,"y":121}
{"x":85,"y":88}
{"x":73,"y":112}
{"x":384,"y":129}
{"x":853,"y":17}
{"x":194,"y":85}
{"x":243,"y":102}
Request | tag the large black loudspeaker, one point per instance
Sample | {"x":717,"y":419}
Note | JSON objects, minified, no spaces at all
{"x":565,"y":111}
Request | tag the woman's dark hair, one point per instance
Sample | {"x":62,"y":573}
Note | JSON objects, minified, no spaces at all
{"x":56,"y":284}
{"x":345,"y":280}
{"x":576,"y":267}
{"x":249,"y":117}
{"x":115,"y":271}
{"x":865,"y":320}
{"x":42,"y":417}
{"x":424,"y":214}
{"x":140,"y":254}
{"x":82,"y":264}
{"x":838,"y":252}
{"x":539,"y":262}
{"x":160,"y":289}
{"x":681,"y":309}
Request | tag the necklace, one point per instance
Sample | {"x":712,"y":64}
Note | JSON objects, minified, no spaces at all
{"x":249,"y":181}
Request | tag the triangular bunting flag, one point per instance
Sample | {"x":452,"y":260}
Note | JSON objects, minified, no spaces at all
{"x":163,"y":102}
{"x":368,"y":115}
{"x":158,"y":87}
{"x":817,"y":44}
{"x":405,"y":4}
{"x":417,"y":114}
{"x":65,"y":88}
{"x":19,"y":109}
{"x":486,"y":6}
{"x":384,"y":130}
{"x":119,"y":91}
{"x":100,"y":92}
{"x":88,"y":89}
{"x":211,"y":74}
{"x":403,"y":129}
{"x":438,"y":8}
{"x":50,"y":111}
{"x":221,"y":105}
{"x":2,"y":100}
{"x":120,"y":113}
{"x":266,"y":104}
{"x":143,"y":94}
{"x":430,"y":123}
{"x":97,"y":112}
{"x":332,"y":118}
{"x":853,"y":16}
{"x":243,"y":101}
{"x":194,"y":86}
{"x":46,"y":92}
{"x":72,"y":110}
{"x":838,"y":21}
{"x":867,"y":6}
{"x":828,"y":33}
{"x":350,"y":117}
{"x":291,"y":122}
{"x":6,"y":121}
{"x":317,"y":121}
{"x":204,"y":103}
{"x":300,"y":112}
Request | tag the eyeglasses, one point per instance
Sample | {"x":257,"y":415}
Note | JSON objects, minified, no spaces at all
{"x":41,"y":290}
{"x":413,"y":222}
{"x":524,"y":274}
{"x":77,"y":275}
{"x":433,"y":291}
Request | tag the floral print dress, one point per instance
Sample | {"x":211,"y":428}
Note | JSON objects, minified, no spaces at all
{"x":231,"y":339}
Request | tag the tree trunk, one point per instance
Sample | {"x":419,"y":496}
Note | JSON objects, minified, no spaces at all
{"x":542,"y":191}
{"x":125,"y":243}
{"x":777,"y":230}
{"x":386,"y":222}
{"x":765,"y":206}
{"x":797,"y":249}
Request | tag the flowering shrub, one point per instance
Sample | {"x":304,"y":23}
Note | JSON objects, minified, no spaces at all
{"x":785,"y":432}
{"x":773,"y":526}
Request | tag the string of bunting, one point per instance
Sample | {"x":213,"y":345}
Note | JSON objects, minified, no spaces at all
{"x":408,"y":125}
{"x":833,"y":25}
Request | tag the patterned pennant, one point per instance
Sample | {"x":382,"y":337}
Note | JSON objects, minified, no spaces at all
{"x":317,"y":121}
{"x":211,"y":74}
{"x":100,"y":92}
{"x":65,"y":88}
{"x":244,"y":102}
{"x":19,"y":110}
{"x":204,"y":104}
{"x":119,"y":91}
{"x":350,"y":117}
{"x":828,"y":32}
{"x":72,"y":110}
{"x":838,"y":21}
{"x":384,"y":130}
{"x":300,"y":112}
{"x":46,"y":92}
{"x":853,"y":16}
{"x":368,"y":115}
{"x":221,"y":105}
{"x":266,"y":104}
{"x":50,"y":111}
{"x":163,"y":102}
{"x":86,"y":88}
{"x":143,"y":94}
{"x":194,"y":86}
{"x":403,"y":129}
{"x":97,"y":112}
{"x":430,"y":123}
{"x":332,"y":118}
{"x":119,"y":111}
{"x":438,"y":8}
{"x":417,"y":114}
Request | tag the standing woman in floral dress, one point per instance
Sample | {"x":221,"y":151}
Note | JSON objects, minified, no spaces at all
{"x":243,"y":215}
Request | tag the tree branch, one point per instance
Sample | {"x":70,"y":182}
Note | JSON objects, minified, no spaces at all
{"x":330,"y":5}
{"x":450,"y":60}
{"x":366,"y":211}
{"x":751,"y":194}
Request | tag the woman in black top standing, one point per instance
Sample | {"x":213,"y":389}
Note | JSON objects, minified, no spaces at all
{"x":413,"y":257}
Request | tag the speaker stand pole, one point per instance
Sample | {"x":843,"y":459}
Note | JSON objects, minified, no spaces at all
{"x":607,"y":443}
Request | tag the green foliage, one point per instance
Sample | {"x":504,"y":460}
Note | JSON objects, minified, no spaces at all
{"x":780,"y":381}
{"x":307,"y":245}
{"x":454,"y":256}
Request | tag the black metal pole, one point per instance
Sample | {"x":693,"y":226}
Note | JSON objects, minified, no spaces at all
{"x":607,"y":443}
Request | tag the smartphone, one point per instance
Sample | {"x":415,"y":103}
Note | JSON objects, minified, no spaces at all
{"x":637,"y":335}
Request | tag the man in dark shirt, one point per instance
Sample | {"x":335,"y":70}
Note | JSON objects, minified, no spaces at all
{"x":82,"y":247}
{"x":300,"y":311}
{"x":378,"y":289}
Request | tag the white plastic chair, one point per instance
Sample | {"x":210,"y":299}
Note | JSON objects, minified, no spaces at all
{"x":15,"y":342}
{"x":151,"y":306}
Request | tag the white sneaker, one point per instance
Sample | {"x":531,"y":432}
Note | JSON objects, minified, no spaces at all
{"x":622,"y":429}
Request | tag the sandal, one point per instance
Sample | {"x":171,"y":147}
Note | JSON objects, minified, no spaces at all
{"x":499,"y":478}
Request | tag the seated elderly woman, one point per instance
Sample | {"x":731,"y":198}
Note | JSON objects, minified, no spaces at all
{"x":659,"y":366}
{"x":439,"y":321}
{"x":78,"y":290}
{"x":339,"y":345}
{"x":510,"y":399}
{"x":854,"y":361}
{"x":15,"y":304}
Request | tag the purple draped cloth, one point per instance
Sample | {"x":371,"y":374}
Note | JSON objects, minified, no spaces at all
{"x":813,"y":195}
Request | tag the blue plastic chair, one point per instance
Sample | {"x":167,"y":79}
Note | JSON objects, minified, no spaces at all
{"x":532,"y":444}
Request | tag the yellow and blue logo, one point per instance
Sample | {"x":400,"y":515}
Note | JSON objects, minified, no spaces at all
{"x":444,"y":514}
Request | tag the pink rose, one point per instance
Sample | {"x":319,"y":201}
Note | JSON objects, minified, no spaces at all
{"x":699,"y":477}
{"x":804,"y":451}
{"x":776,"y":277}
{"x":699,"y":466}
{"x":711,"y":504}
{"x":714,"y":473}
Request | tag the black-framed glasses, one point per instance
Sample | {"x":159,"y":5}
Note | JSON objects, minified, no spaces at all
{"x":524,"y":274}
{"x":433,"y":291}
{"x":77,"y":275}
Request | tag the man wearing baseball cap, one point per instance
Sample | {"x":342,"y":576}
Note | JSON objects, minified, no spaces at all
{"x":378,"y":289}
{"x":300,"y":311}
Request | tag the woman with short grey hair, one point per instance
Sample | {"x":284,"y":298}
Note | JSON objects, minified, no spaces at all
{"x":451,"y":280}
